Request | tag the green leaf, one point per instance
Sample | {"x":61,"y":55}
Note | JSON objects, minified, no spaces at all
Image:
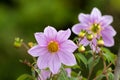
{"x":99,"y":72}
{"x":81,"y":57}
{"x":92,"y":62}
{"x":25,"y":77}
{"x":63,"y":75}
{"x":100,"y":77}
{"x":73,"y":78}
{"x":108,"y":55}
{"x":110,"y":76}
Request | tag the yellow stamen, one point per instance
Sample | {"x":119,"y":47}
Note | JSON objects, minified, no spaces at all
{"x":95,"y":28}
{"x":53,"y":46}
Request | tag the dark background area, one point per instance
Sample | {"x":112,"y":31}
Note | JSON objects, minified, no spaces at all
{"x":22,"y":18}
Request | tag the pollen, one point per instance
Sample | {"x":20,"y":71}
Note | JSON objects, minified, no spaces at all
{"x":53,"y":46}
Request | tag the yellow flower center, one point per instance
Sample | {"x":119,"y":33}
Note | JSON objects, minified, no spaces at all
{"x":95,"y":28}
{"x":53,"y":46}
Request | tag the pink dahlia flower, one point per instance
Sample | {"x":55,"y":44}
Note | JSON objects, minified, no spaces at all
{"x":53,"y":49}
{"x":97,"y":25}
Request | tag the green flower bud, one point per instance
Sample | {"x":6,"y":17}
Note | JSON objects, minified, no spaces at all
{"x":82,"y":34}
{"x":18,"y":42}
{"x":100,"y":42}
{"x":81,"y":48}
{"x":89,"y":37}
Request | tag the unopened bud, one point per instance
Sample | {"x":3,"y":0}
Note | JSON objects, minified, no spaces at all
{"x":82,"y":34}
{"x":89,"y":37}
{"x":30,"y":44}
{"x":81,"y":48}
{"x":18,"y":42}
{"x":100,"y":42}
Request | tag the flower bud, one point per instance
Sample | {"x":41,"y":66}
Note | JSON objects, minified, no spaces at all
{"x":82,"y":34}
{"x":100,"y":42}
{"x":30,"y":44}
{"x":89,"y":37}
{"x":81,"y":48}
{"x":18,"y":42}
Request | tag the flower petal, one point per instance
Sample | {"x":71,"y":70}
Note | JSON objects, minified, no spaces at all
{"x":54,"y":63}
{"x":50,"y":33}
{"x":78,"y":27}
{"x":68,"y":70}
{"x":45,"y":74}
{"x":109,"y":30}
{"x":84,"y":18}
{"x":63,"y":35}
{"x":67,"y":58}
{"x":43,"y":61}
{"x":37,"y":51}
{"x":108,"y":39}
{"x":106,"y":20}
{"x":93,"y":46}
{"x":95,"y":15}
{"x":69,"y":46}
{"x":41,"y":39}
{"x":84,"y":42}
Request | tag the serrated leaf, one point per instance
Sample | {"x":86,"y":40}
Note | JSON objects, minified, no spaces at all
{"x":82,"y":58}
{"x":73,"y":78}
{"x":63,"y":75}
{"x":25,"y":77}
{"x":109,"y":56}
{"x":92,"y":62}
{"x":99,"y":72}
{"x":110,"y":76}
{"x":100,"y":77}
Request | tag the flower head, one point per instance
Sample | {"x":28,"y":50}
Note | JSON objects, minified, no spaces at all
{"x":53,"y":49}
{"x":97,"y":25}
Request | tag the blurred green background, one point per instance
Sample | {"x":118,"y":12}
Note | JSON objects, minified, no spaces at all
{"x":22,"y":18}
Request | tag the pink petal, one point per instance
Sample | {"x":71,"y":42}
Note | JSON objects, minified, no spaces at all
{"x":50,"y":32}
{"x":95,"y":15}
{"x":84,"y":18}
{"x":67,"y":58}
{"x":110,"y":30}
{"x":108,"y":39}
{"x":93,"y":46}
{"x":69,"y":46}
{"x":41,"y":39}
{"x":63,"y":35}
{"x":68,"y":70}
{"x":43,"y":61}
{"x":54,"y":63}
{"x":84,"y":42}
{"x":37,"y":51}
{"x":106,"y":20}
{"x":45,"y":74}
{"x":78,"y":27}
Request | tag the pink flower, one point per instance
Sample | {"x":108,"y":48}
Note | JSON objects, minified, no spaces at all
{"x":53,"y":49}
{"x":97,"y":25}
